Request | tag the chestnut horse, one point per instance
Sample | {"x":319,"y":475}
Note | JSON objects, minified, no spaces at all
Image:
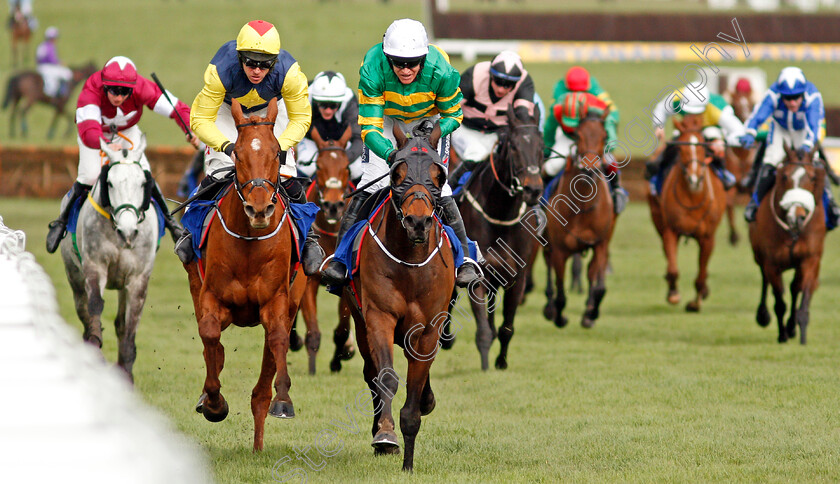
{"x":21,"y":33}
{"x":581,"y":216}
{"x":691,"y":204}
{"x":332,"y":178}
{"x":27,"y":87}
{"x":788,"y":233}
{"x":404,"y":281}
{"x":247,"y":269}
{"x":496,"y":203}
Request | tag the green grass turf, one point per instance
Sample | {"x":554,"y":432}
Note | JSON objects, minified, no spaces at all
{"x":176,"y":40}
{"x":650,"y":394}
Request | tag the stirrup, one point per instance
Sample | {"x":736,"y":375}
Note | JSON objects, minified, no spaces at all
{"x":335,"y":273}
{"x":468,"y":272}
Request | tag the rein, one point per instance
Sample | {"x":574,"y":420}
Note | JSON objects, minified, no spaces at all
{"x":787,"y":228}
{"x":523,"y":208}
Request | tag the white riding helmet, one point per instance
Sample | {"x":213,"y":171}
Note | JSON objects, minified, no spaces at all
{"x":406,"y":38}
{"x":51,"y":33}
{"x":328,"y":86}
{"x":692,"y":104}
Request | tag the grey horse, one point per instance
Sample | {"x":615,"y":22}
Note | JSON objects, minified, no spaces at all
{"x":116,"y":250}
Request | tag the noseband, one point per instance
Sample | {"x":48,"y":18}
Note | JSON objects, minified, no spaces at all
{"x":260,"y":182}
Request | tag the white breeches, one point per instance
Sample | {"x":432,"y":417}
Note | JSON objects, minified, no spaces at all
{"x":53,"y":74}
{"x":777,"y":138}
{"x":562,"y":146}
{"x":91,"y":161}
{"x":473,"y":145}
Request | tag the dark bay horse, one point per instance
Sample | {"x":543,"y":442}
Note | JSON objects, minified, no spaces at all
{"x":581,"y":216}
{"x":26,"y":88}
{"x":788,"y":233}
{"x":691,"y":204}
{"x":404,"y":283}
{"x":332,"y":180}
{"x":21,"y":34}
{"x":247,"y":273}
{"x":495,"y":203}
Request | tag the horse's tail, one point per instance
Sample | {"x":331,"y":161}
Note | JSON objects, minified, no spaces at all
{"x":11,"y":88}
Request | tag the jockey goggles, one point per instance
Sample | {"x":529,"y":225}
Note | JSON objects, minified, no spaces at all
{"x":119,"y":90}
{"x":791,"y":97}
{"x":257,"y":64}
{"x":504,"y":83}
{"x":328,"y":104}
{"x":405,"y":63}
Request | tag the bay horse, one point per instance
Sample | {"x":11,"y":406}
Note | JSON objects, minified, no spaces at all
{"x":788,"y":233}
{"x":26,"y":89}
{"x":581,"y":216}
{"x":247,"y":273}
{"x":114,"y":247}
{"x":21,"y":34}
{"x":691,"y":204}
{"x":404,"y":281}
{"x":495,"y":201}
{"x":332,"y":181}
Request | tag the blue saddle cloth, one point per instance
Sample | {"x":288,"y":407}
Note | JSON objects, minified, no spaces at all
{"x":658,"y":179}
{"x":199,"y":213}
{"x":347,"y":250}
{"x":73,"y":219}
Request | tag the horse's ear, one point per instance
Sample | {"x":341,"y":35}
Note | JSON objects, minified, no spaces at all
{"x":791,"y":155}
{"x":316,"y":137}
{"x":345,"y":137}
{"x":271,"y":115}
{"x":398,"y":173}
{"x":605,"y":115}
{"x":236,"y":111}
{"x":399,"y":136}
{"x":436,"y":134}
{"x":103,"y":145}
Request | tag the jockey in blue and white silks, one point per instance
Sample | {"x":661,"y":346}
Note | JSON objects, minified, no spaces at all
{"x":797,"y":119}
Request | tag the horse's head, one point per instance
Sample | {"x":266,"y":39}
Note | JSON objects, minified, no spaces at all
{"x":257,"y":165}
{"x":417,"y":178}
{"x":81,"y":73}
{"x":742,"y":104}
{"x":125,"y":189}
{"x":590,"y":139}
{"x":799,"y":186}
{"x":332,"y":174}
{"x":520,"y":156}
{"x":694,"y":156}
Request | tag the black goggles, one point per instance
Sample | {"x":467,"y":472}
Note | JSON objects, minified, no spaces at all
{"x":402,"y":63}
{"x":119,"y":90}
{"x":504,"y":83}
{"x":328,"y":105}
{"x":255,"y":64}
{"x":791,"y":97}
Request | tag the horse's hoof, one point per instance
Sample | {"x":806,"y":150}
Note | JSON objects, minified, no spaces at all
{"x":561,"y":321}
{"x":783,"y":338}
{"x":692,"y":307}
{"x":348,"y":353}
{"x":587,"y":322}
{"x":295,"y":341}
{"x":282,"y":409}
{"x":549,"y":311}
{"x":791,"y":331}
{"x":762,"y":316}
{"x":673,"y":298}
{"x":385,"y":443}
{"x":215,"y":416}
{"x":501,"y":363}
{"x":733,"y":239}
{"x":335,"y":365}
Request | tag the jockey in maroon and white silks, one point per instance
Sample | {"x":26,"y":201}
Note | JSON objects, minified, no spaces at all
{"x":490,"y":89}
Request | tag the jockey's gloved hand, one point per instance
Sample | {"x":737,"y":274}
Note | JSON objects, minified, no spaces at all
{"x":392,"y":157}
{"x":747,"y":140}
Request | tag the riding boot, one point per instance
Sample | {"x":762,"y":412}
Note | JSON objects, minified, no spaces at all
{"x":652,"y":167}
{"x":465,"y":166}
{"x":765,"y":181}
{"x":175,"y":228}
{"x":725,"y":175}
{"x":452,"y":217}
{"x":335,"y":273}
{"x":183,"y":246}
{"x":312,"y":255}
{"x":619,"y":194}
{"x":832,"y":210}
{"x":58,"y":227}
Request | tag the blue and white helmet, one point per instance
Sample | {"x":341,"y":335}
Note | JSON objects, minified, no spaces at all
{"x":791,"y":82}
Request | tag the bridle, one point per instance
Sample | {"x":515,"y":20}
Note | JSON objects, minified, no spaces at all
{"x":112,"y":212}
{"x":515,"y":187}
{"x":787,"y":228}
{"x":276,"y":187}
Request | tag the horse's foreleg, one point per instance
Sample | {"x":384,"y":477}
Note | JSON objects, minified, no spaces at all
{"x":558,"y":262}
{"x":669,"y":245}
{"x":762,"y":315}
{"x":309,"y":309}
{"x":774,"y":277}
{"x":261,"y":395}
{"x":94,"y":288}
{"x":810,"y":280}
{"x":577,"y":270}
{"x":549,"y":311}
{"x":214,"y":317}
{"x":277,"y":324}
{"x":597,"y":283}
{"x":795,"y":290}
{"x":342,"y":338}
{"x":483,"y":333}
{"x":380,"y":340}
{"x":707,"y":245}
{"x":511,"y":303}
{"x":132,"y":298}
{"x":416,"y":383}
{"x":53,"y":124}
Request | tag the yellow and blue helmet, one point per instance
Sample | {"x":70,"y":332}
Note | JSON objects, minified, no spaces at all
{"x":258,"y":40}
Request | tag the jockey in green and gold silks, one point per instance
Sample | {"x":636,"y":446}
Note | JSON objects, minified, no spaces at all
{"x":404,"y":81}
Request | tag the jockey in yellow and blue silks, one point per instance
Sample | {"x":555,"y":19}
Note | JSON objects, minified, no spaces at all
{"x":253,"y":69}
{"x":403,"y":81}
{"x":720,"y":126}
{"x":795,"y":108}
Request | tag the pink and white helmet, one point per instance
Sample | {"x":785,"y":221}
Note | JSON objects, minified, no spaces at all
{"x":119,"y":71}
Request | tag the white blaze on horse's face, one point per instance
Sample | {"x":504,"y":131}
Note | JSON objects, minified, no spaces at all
{"x":694,"y":178}
{"x":126,"y":183}
{"x":797,"y":200}
{"x":255,"y":144}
